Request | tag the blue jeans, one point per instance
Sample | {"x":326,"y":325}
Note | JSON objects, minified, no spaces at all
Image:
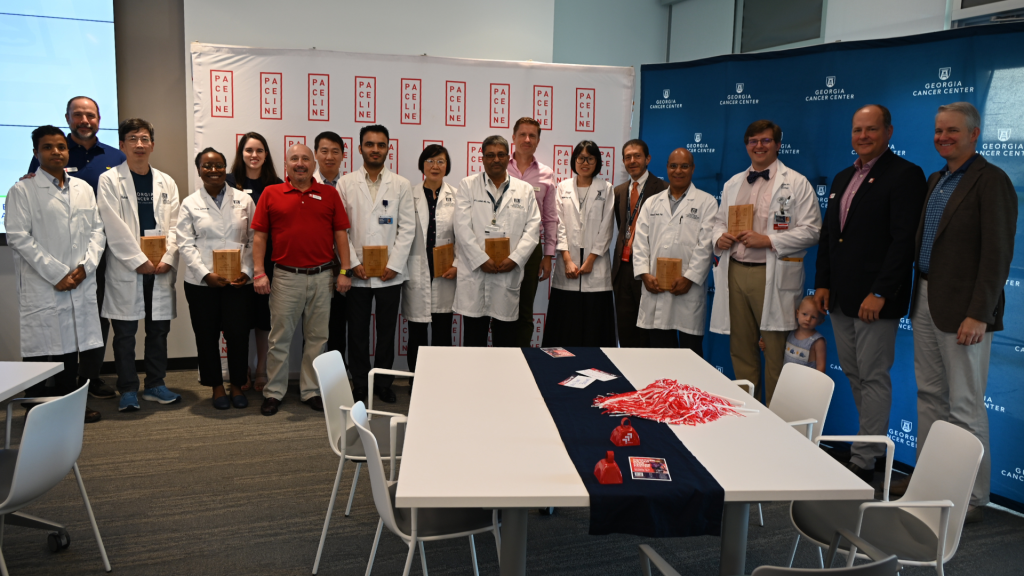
{"x":155,"y":359}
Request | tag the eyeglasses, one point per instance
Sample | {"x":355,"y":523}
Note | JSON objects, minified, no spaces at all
{"x":679,"y":166}
{"x":585,"y":160}
{"x":438,"y":162}
{"x":492,"y":156}
{"x":217,"y":166}
{"x":762,"y":141}
{"x":144,"y":139}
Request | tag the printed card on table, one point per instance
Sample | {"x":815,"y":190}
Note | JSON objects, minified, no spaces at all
{"x":577,"y":381}
{"x":597,"y":374}
{"x":644,"y":468}
{"x":557,"y":352}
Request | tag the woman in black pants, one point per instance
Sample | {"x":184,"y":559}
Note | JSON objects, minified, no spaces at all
{"x":218,"y":217}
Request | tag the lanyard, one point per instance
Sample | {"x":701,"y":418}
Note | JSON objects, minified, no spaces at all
{"x":497,"y":203}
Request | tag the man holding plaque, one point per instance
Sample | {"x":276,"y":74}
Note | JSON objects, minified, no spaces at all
{"x":139,"y":208}
{"x":759,"y":279}
{"x":672,"y":256}
{"x":380,"y":207}
{"x":307,"y":226}
{"x":864,"y":268}
{"x":497,"y":228}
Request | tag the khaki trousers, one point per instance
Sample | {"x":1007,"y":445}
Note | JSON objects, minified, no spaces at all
{"x":295,"y":297}
{"x":746,"y":303}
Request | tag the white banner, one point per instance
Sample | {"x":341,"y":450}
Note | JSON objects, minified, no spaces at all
{"x":290,"y":96}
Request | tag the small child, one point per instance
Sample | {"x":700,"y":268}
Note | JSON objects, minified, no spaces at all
{"x":805,"y":345}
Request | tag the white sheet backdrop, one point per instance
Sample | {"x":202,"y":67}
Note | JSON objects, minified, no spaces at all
{"x":290,"y":96}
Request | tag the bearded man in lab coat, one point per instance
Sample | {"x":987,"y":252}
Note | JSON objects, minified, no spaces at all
{"x":55,"y":232}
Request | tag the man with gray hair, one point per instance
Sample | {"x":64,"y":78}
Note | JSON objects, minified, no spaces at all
{"x":492,"y":205}
{"x":964,"y":249}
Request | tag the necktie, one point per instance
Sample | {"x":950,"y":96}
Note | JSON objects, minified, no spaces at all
{"x":634,"y":197}
{"x":752,"y":176}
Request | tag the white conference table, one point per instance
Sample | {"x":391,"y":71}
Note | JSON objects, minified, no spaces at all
{"x":482,"y":405}
{"x":16,"y":377}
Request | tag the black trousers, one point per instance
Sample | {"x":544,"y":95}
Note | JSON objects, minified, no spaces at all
{"x":360,"y":303}
{"x":676,"y":339}
{"x":338,"y":323}
{"x":440,"y":335}
{"x":65,"y":381}
{"x":627,"y":308}
{"x":92,"y":360}
{"x":155,"y":359}
{"x":504,"y":334}
{"x":216,"y":310}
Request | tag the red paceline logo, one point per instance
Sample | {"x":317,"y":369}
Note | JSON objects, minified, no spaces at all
{"x":585,"y":109}
{"x":346,"y":163}
{"x":455,"y":103}
{"x":543,"y":104}
{"x":222,"y":94}
{"x":319,"y":98}
{"x":474,"y":158}
{"x":500,"y":95}
{"x":366,"y":99}
{"x":412,"y":88}
{"x":608,"y":159}
{"x":562,"y":162}
{"x":290,"y":141}
{"x":271,"y":96}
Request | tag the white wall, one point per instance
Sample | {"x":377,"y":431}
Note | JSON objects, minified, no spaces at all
{"x":701,"y":29}
{"x":611,"y":33}
{"x":849,"y":20}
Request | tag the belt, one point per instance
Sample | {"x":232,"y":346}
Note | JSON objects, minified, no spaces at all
{"x":922,"y":275}
{"x":306,"y":271}
{"x":748,"y":264}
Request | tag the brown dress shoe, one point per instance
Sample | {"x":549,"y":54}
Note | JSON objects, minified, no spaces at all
{"x":316,"y":403}
{"x":899,"y":487}
{"x":270,"y":406}
{"x":91,"y":416}
{"x":974,"y":514}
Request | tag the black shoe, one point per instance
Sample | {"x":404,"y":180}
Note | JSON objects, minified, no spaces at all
{"x":316,"y":403}
{"x":547,"y":511}
{"x":385,"y":394}
{"x":102,"y":390}
{"x":864,"y":474}
{"x":898,"y":487}
{"x":974,"y":514}
{"x":91,"y":416}
{"x":359,"y":396}
{"x":270,"y":406}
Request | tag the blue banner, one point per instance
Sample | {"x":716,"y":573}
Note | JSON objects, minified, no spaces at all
{"x":812,"y":93}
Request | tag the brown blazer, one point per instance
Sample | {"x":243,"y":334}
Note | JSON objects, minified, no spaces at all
{"x":973,"y":247}
{"x":652,"y":186}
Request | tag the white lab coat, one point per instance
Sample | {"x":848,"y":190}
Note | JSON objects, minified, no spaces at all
{"x":119,"y":209}
{"x":685,"y":234}
{"x":589,"y":229}
{"x":784,"y":274}
{"x":422,"y":294}
{"x":49,"y":239}
{"x":478,"y":293}
{"x":365,"y":228}
{"x":203,"y":227}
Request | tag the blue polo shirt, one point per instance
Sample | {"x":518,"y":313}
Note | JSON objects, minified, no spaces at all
{"x":88,"y":164}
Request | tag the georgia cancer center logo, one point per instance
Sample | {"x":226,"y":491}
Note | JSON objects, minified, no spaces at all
{"x":945,"y":86}
{"x":903,"y":435}
{"x":666,"y":102}
{"x":698,"y":147}
{"x":738,"y":98}
{"x":822,"y":199}
{"x":697,"y":135}
{"x":1003,"y":147}
{"x":829,"y":92}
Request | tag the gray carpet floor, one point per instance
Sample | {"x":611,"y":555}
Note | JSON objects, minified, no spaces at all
{"x":186,"y":489}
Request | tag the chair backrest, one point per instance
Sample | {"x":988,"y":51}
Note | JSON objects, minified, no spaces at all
{"x":50,"y":445}
{"x":946,"y":471}
{"x":802,"y":393}
{"x":374,"y":465}
{"x":884,"y":567}
{"x":334,"y":391}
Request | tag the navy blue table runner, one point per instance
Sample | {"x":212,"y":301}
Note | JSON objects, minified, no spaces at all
{"x":690,"y":505}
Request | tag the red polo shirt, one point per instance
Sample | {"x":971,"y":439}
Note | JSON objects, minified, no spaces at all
{"x":301,"y":224}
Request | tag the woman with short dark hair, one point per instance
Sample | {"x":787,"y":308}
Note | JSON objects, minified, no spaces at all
{"x":580,"y":309}
{"x":428,"y":294}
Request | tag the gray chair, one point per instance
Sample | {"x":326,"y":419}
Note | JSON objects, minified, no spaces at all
{"x":882,"y":564}
{"x":416,"y":525}
{"x":923,"y":528}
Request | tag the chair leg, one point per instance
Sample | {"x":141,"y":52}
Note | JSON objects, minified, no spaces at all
{"x":821,"y":559}
{"x":3,"y":565}
{"x":3,"y":523}
{"x":497,"y":533}
{"x":92,"y":518}
{"x":792,"y":555}
{"x":423,"y":558}
{"x":472,"y":554}
{"x":352,"y":492}
{"x":760,"y":516}
{"x":373,"y":551}
{"x":330,"y":511}
{"x":408,"y":559}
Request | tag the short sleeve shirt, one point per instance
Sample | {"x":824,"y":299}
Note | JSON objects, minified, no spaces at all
{"x":301,"y":224}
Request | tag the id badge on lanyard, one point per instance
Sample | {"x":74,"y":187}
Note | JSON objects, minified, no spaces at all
{"x":781,"y":220}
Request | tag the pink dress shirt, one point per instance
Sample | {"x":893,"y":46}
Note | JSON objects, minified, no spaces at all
{"x":542,"y":178}
{"x":859,"y":175}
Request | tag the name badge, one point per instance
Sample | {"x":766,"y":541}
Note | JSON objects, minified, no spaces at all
{"x":494,"y":232}
{"x":248,"y":191}
{"x":781,"y":222}
{"x":536,"y":188}
{"x":70,"y":169}
{"x":385,"y":220}
{"x":317,"y":196}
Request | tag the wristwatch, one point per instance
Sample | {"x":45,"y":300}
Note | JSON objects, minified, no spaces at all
{"x":346,"y":272}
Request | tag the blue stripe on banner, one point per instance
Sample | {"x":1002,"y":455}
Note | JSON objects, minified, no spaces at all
{"x":690,"y":505}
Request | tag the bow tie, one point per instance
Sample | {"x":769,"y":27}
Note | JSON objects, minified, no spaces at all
{"x":752,"y":176}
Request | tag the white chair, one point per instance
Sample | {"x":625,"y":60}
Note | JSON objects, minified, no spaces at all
{"x":417,"y":525}
{"x":336,"y":391}
{"x":922,"y":528}
{"x":802,"y":397}
{"x":50,"y":445}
